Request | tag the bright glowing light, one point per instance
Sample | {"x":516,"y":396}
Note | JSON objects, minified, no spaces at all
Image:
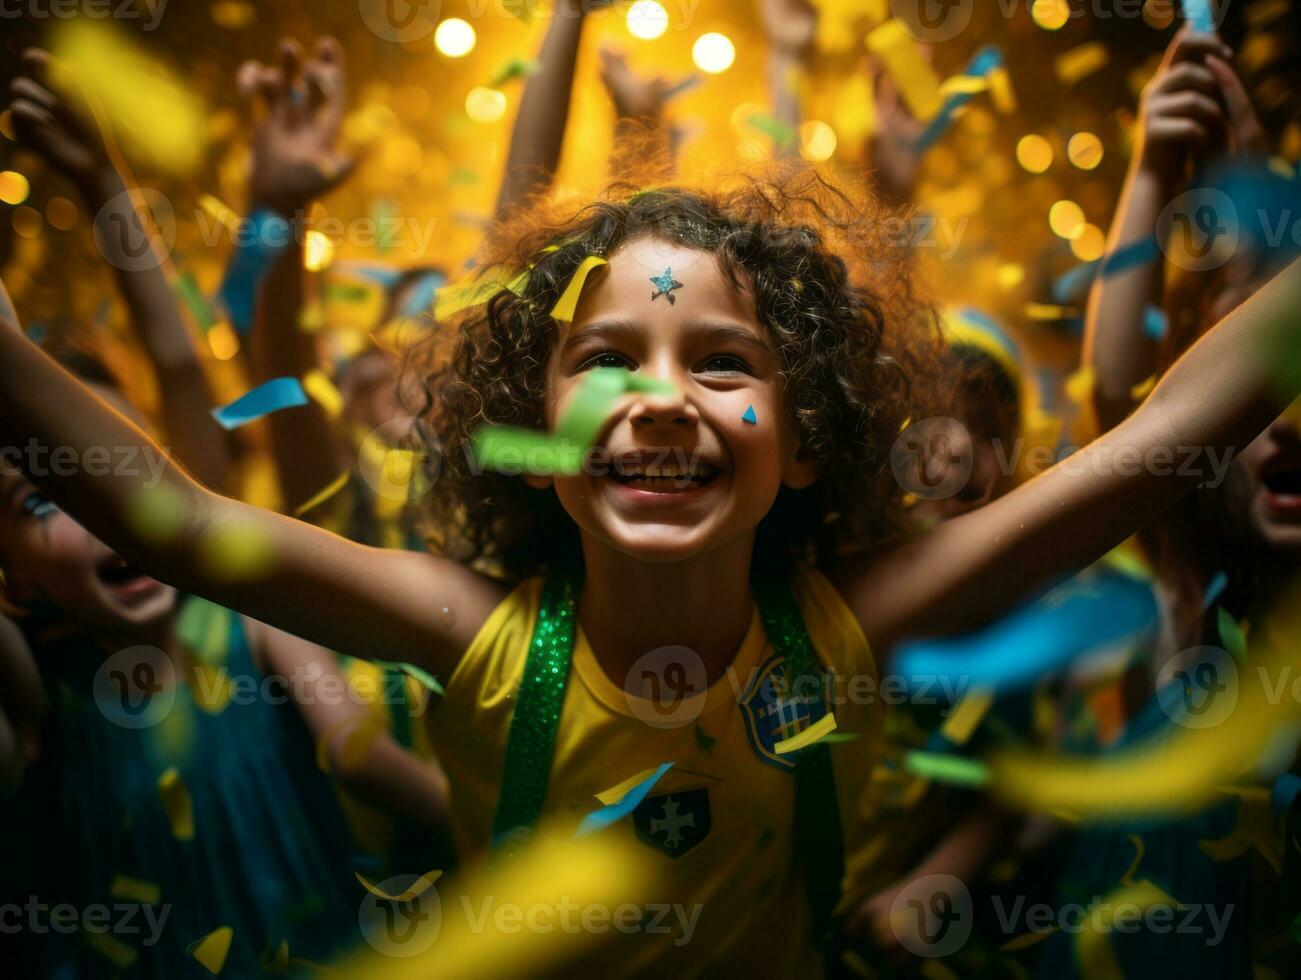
{"x":1051,"y":15}
{"x":223,"y":342}
{"x":1066,"y":219}
{"x":13,"y":187}
{"x":1089,"y":244}
{"x":1034,"y":153}
{"x":817,"y":140}
{"x":318,"y":251}
{"x":713,"y":53}
{"x":647,"y":20}
{"x":485,"y":105}
{"x":454,"y":37}
{"x":1084,"y":150}
{"x":1010,"y":275}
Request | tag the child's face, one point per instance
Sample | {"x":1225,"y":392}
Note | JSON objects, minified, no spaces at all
{"x":49,"y":555}
{"x":709,"y":343}
{"x":1269,"y":475}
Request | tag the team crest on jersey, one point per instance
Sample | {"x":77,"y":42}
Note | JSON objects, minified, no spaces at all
{"x":673,"y":822}
{"x":773,"y":711}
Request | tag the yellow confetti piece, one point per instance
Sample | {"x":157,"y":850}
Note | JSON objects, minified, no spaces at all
{"x":112,"y":949}
{"x":1143,"y":388}
{"x":1093,"y":944}
{"x":134,"y":889}
{"x":912,"y":74}
{"x":157,"y":514}
{"x":236,"y":552}
{"x":151,"y":112}
{"x":819,"y":729}
{"x":1079,"y":386}
{"x":1255,"y":826}
{"x":455,"y":299}
{"x":323,"y":391}
{"x":177,"y":804}
{"x":211,"y":687}
{"x":1081,"y":62}
{"x":335,"y":485}
{"x":614,"y":794}
{"x":216,"y":209}
{"x":361,"y":735}
{"x":970,"y":711}
{"x":964,"y":85}
{"x":568,"y":301}
{"x":1001,"y":91}
{"x":1139,"y":850}
{"x":418,"y":887}
{"x":1047,"y":311}
{"x":212,"y":949}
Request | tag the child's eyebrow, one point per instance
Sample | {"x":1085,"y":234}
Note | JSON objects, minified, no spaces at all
{"x":629,"y":329}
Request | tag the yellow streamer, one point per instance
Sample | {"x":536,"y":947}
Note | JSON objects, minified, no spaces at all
{"x":418,"y":887}
{"x":823,"y":727}
{"x":1081,"y":62}
{"x":568,"y":302}
{"x":614,"y":794}
{"x":177,"y":804}
{"x":912,"y":74}
{"x":324,"y":392}
{"x":144,"y":892}
{"x":966,"y":717}
{"x":335,"y":485}
{"x":1093,"y":949}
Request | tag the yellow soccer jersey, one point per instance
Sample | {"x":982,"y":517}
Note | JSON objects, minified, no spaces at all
{"x":721,"y":819}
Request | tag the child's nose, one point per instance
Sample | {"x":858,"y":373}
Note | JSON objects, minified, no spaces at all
{"x":663,"y":409}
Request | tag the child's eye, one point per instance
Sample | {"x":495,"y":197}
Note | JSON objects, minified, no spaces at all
{"x":38,"y":505}
{"x":725,"y":363}
{"x":606,"y":359}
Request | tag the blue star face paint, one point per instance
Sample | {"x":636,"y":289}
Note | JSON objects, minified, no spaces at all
{"x":664,"y":286}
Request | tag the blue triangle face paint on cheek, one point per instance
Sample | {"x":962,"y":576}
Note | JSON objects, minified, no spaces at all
{"x":750,"y":417}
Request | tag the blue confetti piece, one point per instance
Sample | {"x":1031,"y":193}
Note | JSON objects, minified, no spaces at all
{"x":1198,"y":13}
{"x":1284,"y":792}
{"x":1155,"y":322}
{"x":1074,"y":282}
{"x":750,"y":417}
{"x":249,"y":262}
{"x":1090,"y":612}
{"x":420,"y":298}
{"x":266,"y":398}
{"x":612,"y":814}
{"x":1219,"y":582}
{"x":984,"y":61}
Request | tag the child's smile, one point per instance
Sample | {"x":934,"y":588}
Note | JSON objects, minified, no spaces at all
{"x":676,"y":474}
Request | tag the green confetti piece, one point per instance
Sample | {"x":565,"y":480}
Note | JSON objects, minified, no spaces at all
{"x":422,"y":676}
{"x":1235,"y":641}
{"x":342,"y":292}
{"x":513,"y":450}
{"x":836,"y":737}
{"x":515,"y":68}
{"x":781,"y":133}
{"x":947,"y":768}
{"x":187,"y":290}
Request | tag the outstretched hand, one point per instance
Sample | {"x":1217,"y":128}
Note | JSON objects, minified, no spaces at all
{"x":298,"y":111}
{"x":790,"y":24}
{"x":64,"y":135}
{"x":634,"y":96}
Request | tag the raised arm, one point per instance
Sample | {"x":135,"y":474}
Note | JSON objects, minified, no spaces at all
{"x":367,"y":602}
{"x":74,"y":145}
{"x":539,"y":130}
{"x":1212,"y":402}
{"x":1182,"y":119}
{"x":643,"y":143}
{"x":790,"y":26}
{"x":298,"y":109}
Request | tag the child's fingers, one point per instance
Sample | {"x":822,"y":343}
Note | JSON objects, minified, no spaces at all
{"x":248,"y":77}
{"x":1242,"y":114}
{"x":1188,"y":75}
{"x":36,"y":65}
{"x":1182,"y":129}
{"x":30,"y":119}
{"x":1190,"y":45}
{"x":1191,"y":104}
{"x":24,"y":88}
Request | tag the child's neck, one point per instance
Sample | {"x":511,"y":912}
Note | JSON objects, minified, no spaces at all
{"x":630,"y":607}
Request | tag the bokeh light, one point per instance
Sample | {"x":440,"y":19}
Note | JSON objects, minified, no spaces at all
{"x":28,"y":222}
{"x":713,"y":53}
{"x":647,"y":20}
{"x":13,"y":187}
{"x":1051,"y":15}
{"x":1066,"y":219}
{"x":318,"y":251}
{"x":1011,"y":275}
{"x":61,"y":213}
{"x":1084,"y":150}
{"x":454,"y":37}
{"x":485,"y":105}
{"x":1089,"y":244}
{"x":817,"y":140}
{"x":1159,"y":14}
{"x":1034,"y":153}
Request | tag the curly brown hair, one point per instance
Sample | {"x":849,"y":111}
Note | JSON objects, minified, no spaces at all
{"x":859,"y":350}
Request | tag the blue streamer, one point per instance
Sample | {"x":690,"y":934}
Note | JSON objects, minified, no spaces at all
{"x":249,"y":262}
{"x":1094,"y":610}
{"x":266,"y":398}
{"x":604,"y":817}
{"x":1198,"y":13}
{"x":984,"y":61}
{"x":1128,"y":256}
{"x":1219,"y":582}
